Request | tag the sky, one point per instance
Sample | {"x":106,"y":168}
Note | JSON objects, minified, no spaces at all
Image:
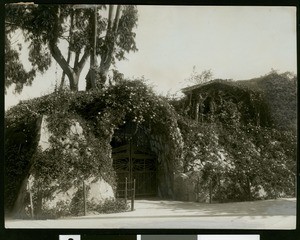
{"x":236,"y":43}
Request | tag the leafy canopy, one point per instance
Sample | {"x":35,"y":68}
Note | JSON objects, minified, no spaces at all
{"x":48,"y":29}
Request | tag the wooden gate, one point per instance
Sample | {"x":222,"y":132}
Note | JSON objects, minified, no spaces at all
{"x":136,"y":163}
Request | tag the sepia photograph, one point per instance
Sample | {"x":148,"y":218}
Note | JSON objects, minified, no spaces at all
{"x":150,"y":117}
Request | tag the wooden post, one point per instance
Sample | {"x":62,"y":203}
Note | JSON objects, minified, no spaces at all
{"x":210,"y":190}
{"x":249,"y":189}
{"x":133,"y":195}
{"x":198,"y":190}
{"x":197,"y":111}
{"x":31,"y":204}
{"x":84,"y":197}
{"x":125,"y":190}
{"x":200,"y":112}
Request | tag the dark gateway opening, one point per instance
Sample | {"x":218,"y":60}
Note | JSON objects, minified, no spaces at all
{"x":133,"y":159}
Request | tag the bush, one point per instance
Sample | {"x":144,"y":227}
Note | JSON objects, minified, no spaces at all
{"x":109,"y":206}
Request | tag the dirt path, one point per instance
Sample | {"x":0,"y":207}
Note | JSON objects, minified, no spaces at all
{"x":269,"y":214}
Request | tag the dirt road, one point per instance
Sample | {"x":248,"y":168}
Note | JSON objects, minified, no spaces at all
{"x":268,"y":214}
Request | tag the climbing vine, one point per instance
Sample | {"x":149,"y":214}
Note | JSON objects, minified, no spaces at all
{"x":73,"y":156}
{"x":235,"y":149}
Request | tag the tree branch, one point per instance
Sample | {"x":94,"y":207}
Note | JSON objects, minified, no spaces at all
{"x":63,"y":75}
{"x":117,"y":19}
{"x":55,"y":51}
{"x":82,"y":61}
{"x":57,"y":55}
{"x":69,"y":49}
{"x":110,"y":13}
{"x":76,"y":59}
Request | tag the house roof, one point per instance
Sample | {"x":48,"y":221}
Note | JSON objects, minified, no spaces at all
{"x":198,"y":86}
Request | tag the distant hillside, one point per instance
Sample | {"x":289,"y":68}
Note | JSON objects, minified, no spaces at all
{"x":280,"y":92}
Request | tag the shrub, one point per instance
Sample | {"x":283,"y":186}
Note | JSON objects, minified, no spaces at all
{"x":110,"y":206}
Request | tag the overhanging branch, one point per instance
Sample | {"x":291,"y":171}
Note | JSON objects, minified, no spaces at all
{"x":57,"y":55}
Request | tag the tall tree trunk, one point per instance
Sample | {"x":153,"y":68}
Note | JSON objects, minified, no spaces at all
{"x":69,"y":51}
{"x":74,"y":79}
{"x":91,"y":76}
{"x":103,"y":76}
{"x":117,"y":19}
{"x":110,"y":39}
{"x":110,"y":16}
{"x":72,"y":73}
{"x":62,"y":81}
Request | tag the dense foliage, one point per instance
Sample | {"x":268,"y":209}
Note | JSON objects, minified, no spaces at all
{"x":280,"y":91}
{"x":110,"y":206}
{"x":99,"y":113}
{"x":234,"y":156}
{"x":243,"y":163}
{"x":21,"y":136}
{"x":232,"y":153}
{"x":15,"y":73}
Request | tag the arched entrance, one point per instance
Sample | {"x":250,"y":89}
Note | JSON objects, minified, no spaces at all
{"x":133,"y":159}
{"x":132,"y":162}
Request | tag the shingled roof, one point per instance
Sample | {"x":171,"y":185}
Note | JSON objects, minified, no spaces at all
{"x":197,"y":86}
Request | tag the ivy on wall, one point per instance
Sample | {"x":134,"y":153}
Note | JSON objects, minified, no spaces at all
{"x":232,"y":152}
{"x":99,"y":113}
{"x":236,"y":157}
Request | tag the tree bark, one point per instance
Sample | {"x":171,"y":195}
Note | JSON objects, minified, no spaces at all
{"x":110,"y":13}
{"x":62,"y":81}
{"x":69,"y":51}
{"x":117,"y":19}
{"x":55,"y":52}
{"x":74,"y":79}
{"x":72,"y":73}
{"x":103,"y":76}
{"x":110,"y":38}
{"x":91,"y":77}
{"x":79,"y":66}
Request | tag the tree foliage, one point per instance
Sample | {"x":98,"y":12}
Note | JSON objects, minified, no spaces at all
{"x":15,"y":73}
{"x":199,"y":78}
{"x":119,"y":38}
{"x":49,"y":28}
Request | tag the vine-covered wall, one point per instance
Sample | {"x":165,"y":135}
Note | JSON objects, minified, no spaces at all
{"x":232,"y":150}
{"x":79,"y":156}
